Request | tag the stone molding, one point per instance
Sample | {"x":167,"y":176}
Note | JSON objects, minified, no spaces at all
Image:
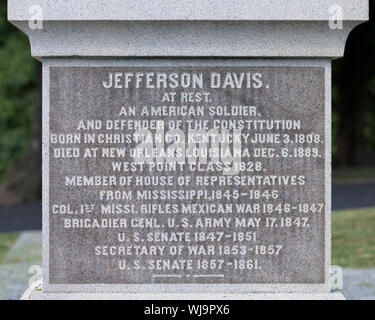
{"x":226,"y":28}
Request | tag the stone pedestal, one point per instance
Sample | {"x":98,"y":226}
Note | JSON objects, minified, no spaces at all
{"x":187,"y":148}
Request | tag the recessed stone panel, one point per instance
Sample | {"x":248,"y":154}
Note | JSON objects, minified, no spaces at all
{"x":187,"y":175}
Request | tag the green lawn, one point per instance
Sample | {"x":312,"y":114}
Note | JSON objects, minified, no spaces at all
{"x":6,"y":242}
{"x":353,"y":175}
{"x":353,"y":238}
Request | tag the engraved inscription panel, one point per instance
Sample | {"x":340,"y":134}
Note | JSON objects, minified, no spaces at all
{"x":186,"y":175}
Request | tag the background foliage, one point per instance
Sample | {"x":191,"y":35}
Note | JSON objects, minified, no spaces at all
{"x":17,"y":93}
{"x":354,"y":98}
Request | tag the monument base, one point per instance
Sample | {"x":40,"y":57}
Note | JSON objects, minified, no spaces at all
{"x":35,"y":292}
{"x":192,"y":296}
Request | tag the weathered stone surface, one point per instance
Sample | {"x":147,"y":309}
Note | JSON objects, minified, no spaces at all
{"x":289,"y":246}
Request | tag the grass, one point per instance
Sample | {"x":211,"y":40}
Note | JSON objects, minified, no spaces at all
{"x":6,"y":242}
{"x":353,"y":175}
{"x":353,"y":238}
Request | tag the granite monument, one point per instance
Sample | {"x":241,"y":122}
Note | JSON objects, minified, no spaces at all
{"x":187,"y":148}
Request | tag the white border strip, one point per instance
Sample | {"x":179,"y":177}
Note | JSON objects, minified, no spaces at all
{"x":45,"y":171}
